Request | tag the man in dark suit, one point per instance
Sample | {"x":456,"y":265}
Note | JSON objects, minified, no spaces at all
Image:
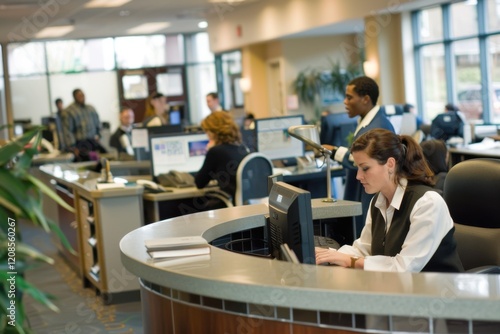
{"x":121,"y":138}
{"x":360,"y":100}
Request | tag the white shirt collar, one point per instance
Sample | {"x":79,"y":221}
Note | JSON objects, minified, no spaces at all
{"x":363,"y":122}
{"x":126,"y":128}
{"x":396,"y":199}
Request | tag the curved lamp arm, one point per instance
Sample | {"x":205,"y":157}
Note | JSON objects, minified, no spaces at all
{"x":309,"y":134}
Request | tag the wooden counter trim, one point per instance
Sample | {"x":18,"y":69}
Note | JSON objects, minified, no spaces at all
{"x":170,"y":311}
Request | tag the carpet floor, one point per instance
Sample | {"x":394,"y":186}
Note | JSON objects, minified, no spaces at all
{"x":81,"y":311}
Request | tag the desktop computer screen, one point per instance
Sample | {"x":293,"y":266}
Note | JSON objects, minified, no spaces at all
{"x":181,"y":152}
{"x":140,"y":138}
{"x":273,"y":139}
{"x":290,"y":222}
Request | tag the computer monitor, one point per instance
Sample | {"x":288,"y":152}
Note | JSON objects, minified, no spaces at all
{"x":273,"y":139}
{"x":140,"y":138}
{"x":183,"y":152}
{"x":290,"y":222}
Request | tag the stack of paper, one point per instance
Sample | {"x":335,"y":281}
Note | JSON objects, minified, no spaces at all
{"x":166,"y":248}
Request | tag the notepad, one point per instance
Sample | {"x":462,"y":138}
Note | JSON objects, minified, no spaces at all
{"x":175,"y":242}
{"x":183,"y":252}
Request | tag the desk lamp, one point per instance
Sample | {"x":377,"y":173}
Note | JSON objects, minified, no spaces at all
{"x":309,"y":134}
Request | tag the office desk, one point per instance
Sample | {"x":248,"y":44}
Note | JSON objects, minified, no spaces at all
{"x":235,"y":293}
{"x":52,"y":158}
{"x":182,"y":201}
{"x":458,"y":154}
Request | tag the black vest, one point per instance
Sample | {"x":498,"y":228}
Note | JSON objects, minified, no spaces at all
{"x":445,"y":259}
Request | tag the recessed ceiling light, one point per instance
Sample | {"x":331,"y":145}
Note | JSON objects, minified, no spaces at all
{"x":54,"y":31}
{"x":147,"y":28}
{"x":202,"y":24}
{"x":105,"y":3}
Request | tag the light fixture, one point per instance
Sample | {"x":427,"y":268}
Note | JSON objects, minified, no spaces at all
{"x":57,"y":31}
{"x":147,"y":28}
{"x":202,"y":24}
{"x":245,"y":84}
{"x":105,"y":3}
{"x":370,"y":68}
{"x":309,"y":134}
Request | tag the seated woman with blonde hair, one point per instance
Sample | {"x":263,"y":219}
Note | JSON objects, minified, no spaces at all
{"x":225,"y":152}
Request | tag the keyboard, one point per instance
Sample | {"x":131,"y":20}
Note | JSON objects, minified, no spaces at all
{"x":325,"y":242}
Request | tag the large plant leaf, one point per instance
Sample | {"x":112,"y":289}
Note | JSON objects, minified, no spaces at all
{"x":25,"y":251}
{"x":20,"y":193}
{"x":60,"y":235}
{"x":13,"y":148}
{"x":49,"y":192}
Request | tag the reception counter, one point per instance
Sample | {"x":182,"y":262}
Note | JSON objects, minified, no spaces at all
{"x":229,"y":292}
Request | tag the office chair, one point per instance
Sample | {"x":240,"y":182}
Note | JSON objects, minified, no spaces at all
{"x":251,"y":178}
{"x":472,"y":192}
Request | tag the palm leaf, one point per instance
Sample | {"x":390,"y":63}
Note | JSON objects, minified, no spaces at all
{"x":49,"y":192}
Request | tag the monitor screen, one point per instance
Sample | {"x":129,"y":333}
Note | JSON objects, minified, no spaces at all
{"x":290,"y":222}
{"x":273,"y":139}
{"x":183,"y":152}
{"x":140,"y":138}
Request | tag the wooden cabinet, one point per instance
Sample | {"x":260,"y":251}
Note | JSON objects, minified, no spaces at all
{"x":103,"y":220}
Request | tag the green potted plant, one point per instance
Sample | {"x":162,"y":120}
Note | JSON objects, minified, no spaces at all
{"x":315,"y":86}
{"x":20,"y":198}
{"x":340,"y":77}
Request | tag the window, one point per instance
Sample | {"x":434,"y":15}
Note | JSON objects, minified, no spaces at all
{"x":434,"y":79}
{"x":80,"y":55}
{"x":140,"y":51}
{"x":198,"y":48}
{"x":456,"y":62}
{"x":26,"y":58}
{"x":430,"y":25}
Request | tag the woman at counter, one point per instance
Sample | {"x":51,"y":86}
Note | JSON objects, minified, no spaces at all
{"x":408,"y":226}
{"x":225,"y":152}
{"x":156,"y":113}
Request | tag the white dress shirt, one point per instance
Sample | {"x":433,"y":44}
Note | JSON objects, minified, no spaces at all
{"x":430,"y":221}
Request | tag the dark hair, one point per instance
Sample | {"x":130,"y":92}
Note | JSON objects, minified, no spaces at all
{"x":156,"y":95}
{"x":436,"y":153}
{"x":451,"y":107}
{"x":222,"y":125}
{"x":58,"y":100}
{"x":382,"y":144}
{"x":365,"y":86}
{"x":214,"y":95}
{"x":75,"y":91}
{"x":125,"y":108}
{"x":407,"y":107}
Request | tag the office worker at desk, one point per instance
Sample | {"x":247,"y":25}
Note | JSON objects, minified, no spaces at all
{"x":360,"y":100}
{"x":409,"y":227}
{"x":121,"y":138}
{"x":225,"y":152}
